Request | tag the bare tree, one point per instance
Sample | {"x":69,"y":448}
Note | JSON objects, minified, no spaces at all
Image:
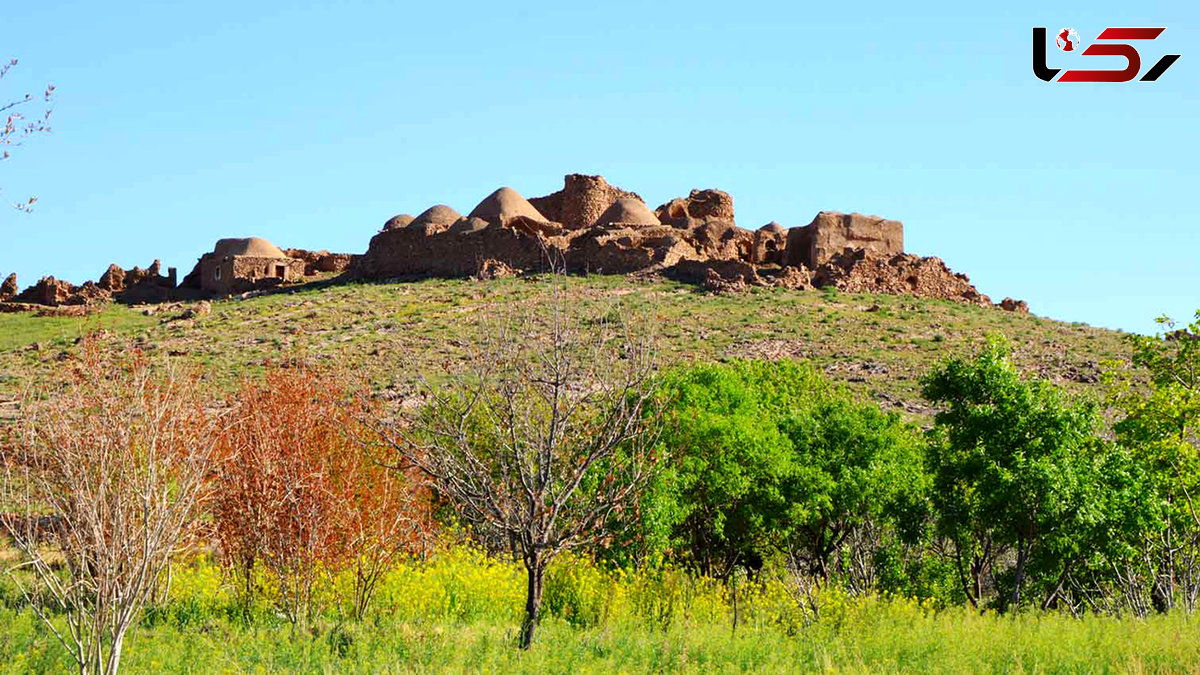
{"x":102,"y":481}
{"x":549,"y":433}
{"x":17,"y":126}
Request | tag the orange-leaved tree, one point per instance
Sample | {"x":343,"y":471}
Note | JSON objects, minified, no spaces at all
{"x":297,"y":495}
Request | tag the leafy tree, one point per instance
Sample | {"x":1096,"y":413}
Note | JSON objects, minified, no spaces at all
{"x":1019,"y":470}
{"x":855,"y":468}
{"x":1159,"y":400}
{"x":296,"y":496}
{"x":769,"y":457}
{"x":722,"y":425}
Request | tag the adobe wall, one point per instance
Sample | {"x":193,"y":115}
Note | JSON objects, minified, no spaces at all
{"x":831,"y":233}
{"x":239,"y":274}
{"x":412,"y":252}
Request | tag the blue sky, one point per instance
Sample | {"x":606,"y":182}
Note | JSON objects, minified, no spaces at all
{"x":312,"y":124}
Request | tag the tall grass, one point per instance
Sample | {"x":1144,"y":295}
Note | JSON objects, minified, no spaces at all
{"x":459,"y":611}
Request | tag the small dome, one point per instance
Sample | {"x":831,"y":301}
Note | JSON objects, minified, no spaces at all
{"x":629,"y":211}
{"x":436,"y":218}
{"x":250,"y":246}
{"x":505,"y":204}
{"x":398,"y":222}
{"x":773,"y":227}
{"x":467,"y":225}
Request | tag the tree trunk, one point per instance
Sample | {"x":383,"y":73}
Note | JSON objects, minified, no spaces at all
{"x":1162,"y":592}
{"x":114,"y":653}
{"x":1022,"y":558}
{"x":533,"y":602}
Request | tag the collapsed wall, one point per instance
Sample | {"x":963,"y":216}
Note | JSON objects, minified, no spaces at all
{"x":864,"y":271}
{"x":150,"y":285}
{"x":115,"y":284}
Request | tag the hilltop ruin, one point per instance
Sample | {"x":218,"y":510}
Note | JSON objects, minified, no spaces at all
{"x":591,"y":226}
{"x":587,"y":227}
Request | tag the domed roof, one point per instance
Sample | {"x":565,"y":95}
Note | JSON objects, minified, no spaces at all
{"x":467,"y":225}
{"x":503,"y":205}
{"x":629,"y":211}
{"x":256,"y":247}
{"x":773,"y":227}
{"x":439,"y":216}
{"x":397,"y":222}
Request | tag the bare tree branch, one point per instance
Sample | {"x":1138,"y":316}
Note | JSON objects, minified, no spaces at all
{"x":549,"y":431}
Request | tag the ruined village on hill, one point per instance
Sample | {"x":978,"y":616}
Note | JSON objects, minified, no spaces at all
{"x":588,"y":227}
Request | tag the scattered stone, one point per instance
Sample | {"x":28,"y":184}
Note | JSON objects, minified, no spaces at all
{"x":1010,"y":305}
{"x":200,"y":309}
{"x":494,"y":269}
{"x":795,"y":278}
{"x":860,"y":271}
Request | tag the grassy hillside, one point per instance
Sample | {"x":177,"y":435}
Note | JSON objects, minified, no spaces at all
{"x":879,"y":345}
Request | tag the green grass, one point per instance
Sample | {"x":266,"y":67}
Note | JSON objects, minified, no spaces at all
{"x":459,"y":613}
{"x":23,"y":330}
{"x":952,"y":642}
{"x":390,"y":332}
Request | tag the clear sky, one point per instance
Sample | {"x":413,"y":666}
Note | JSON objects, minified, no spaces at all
{"x":179,"y":123}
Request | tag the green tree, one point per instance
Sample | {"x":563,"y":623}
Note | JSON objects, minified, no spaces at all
{"x":1020,"y":473}
{"x":854,"y":466}
{"x":1159,"y":400}
{"x":770,"y":458}
{"x":723,"y":426}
